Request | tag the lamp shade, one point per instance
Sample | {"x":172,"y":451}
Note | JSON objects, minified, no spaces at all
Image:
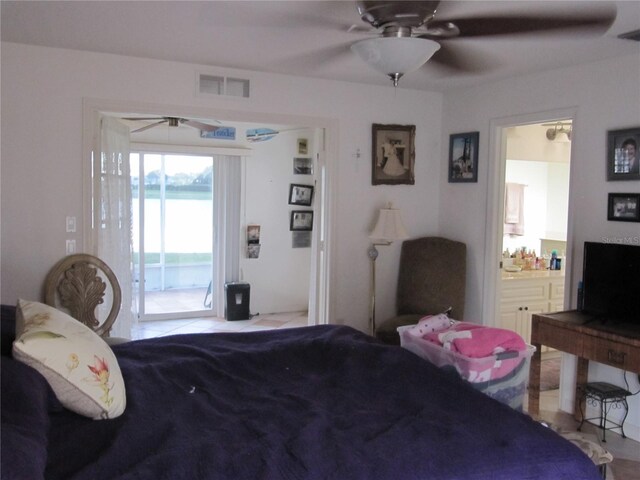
{"x":389,"y":226}
{"x":395,"y":55}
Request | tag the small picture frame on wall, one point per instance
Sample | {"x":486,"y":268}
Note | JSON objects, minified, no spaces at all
{"x":393,"y":154}
{"x":253,"y":250}
{"x":301,"y":239}
{"x":463,"y":157}
{"x":253,"y":234}
{"x":624,"y":207}
{"x":302,"y":166}
{"x":623,"y":159}
{"x":303,"y":146}
{"x":301,"y":220}
{"x":300,"y":195}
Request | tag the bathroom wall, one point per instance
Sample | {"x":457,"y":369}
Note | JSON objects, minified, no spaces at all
{"x":543,"y":166}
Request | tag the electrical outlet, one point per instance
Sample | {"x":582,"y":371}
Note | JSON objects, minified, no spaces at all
{"x":71,"y":224}
{"x":71,"y":247}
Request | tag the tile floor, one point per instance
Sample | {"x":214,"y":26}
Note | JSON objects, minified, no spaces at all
{"x":160,"y":328}
{"x":626,"y":452}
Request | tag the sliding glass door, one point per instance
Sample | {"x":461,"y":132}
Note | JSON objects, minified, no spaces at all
{"x":173,"y":225}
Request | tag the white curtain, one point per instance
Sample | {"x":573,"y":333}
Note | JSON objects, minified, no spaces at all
{"x":112,"y":215}
{"x":227,"y":199}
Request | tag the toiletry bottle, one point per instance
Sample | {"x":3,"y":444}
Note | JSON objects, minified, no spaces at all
{"x":554,"y":258}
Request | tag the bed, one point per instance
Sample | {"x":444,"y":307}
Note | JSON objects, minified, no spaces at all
{"x":322,"y":402}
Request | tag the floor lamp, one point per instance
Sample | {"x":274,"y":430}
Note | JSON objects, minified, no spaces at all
{"x":389,"y":227}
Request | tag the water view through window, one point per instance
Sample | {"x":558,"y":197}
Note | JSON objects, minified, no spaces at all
{"x":172,"y":231}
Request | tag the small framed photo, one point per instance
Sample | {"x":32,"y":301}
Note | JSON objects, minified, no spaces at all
{"x":303,"y":146}
{"x":253,"y":251}
{"x":463,"y":157}
{"x":393,"y":154}
{"x":624,"y":207}
{"x":302,"y":166}
{"x":301,"y":220}
{"x":623,"y":161}
{"x":300,"y":195}
{"x":301,"y":239}
{"x":253,"y":234}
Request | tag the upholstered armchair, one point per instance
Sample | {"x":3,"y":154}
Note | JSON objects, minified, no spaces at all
{"x":431,"y":280}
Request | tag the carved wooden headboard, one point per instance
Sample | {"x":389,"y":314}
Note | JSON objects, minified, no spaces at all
{"x":77,"y":284}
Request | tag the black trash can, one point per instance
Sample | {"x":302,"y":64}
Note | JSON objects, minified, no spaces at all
{"x":237,"y":296}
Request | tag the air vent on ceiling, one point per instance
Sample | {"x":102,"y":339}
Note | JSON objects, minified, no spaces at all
{"x":218,"y":85}
{"x":633,"y":35}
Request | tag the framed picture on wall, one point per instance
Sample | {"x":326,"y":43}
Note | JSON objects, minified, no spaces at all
{"x":624,"y":207}
{"x":303,"y":146}
{"x":253,"y":234}
{"x":463,"y":157}
{"x":393,"y":154}
{"x":623,"y":160}
{"x":301,"y":239}
{"x":302,"y":166}
{"x":301,"y":220}
{"x":300,"y":195}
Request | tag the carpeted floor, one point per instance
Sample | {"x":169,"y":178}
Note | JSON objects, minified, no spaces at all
{"x":550,"y":374}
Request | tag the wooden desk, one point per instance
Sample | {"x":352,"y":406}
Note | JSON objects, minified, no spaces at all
{"x":576,"y":333}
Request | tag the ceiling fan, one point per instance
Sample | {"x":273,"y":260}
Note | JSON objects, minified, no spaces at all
{"x":412,"y":32}
{"x":172,"y":122}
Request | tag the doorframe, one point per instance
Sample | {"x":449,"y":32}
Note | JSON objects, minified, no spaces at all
{"x":321,"y":297}
{"x":495,"y":204}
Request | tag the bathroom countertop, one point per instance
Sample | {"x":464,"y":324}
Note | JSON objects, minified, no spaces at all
{"x":532,"y":274}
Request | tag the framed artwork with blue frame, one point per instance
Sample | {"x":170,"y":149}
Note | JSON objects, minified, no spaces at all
{"x":463,"y":157}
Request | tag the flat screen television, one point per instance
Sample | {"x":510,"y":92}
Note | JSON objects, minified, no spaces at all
{"x":611,"y":282}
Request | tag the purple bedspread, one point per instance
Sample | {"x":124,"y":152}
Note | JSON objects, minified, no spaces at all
{"x":322,"y":402}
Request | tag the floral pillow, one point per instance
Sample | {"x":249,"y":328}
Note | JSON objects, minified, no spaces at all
{"x":80,"y":367}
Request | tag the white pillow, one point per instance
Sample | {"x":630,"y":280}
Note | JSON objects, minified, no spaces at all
{"x":78,"y":364}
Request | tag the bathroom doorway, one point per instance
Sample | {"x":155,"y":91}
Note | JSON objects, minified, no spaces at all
{"x":505,"y":135}
{"x":535,"y":222}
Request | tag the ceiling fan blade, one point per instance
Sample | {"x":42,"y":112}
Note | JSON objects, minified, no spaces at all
{"x":147,"y":127}
{"x":496,"y":25}
{"x":458,"y":59}
{"x":199,"y":125}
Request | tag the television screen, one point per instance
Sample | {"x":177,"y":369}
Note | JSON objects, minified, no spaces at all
{"x":611,"y":281}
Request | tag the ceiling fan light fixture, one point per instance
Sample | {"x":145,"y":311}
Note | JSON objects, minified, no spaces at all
{"x":395,"y":56}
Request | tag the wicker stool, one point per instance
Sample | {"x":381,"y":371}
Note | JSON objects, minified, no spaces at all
{"x":607,"y":396}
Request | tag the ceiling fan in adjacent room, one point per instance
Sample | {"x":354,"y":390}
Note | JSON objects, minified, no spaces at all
{"x":172,"y":122}
{"x":410,"y":33}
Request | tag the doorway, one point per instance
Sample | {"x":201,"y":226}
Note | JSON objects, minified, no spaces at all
{"x":513,"y":307}
{"x":172,"y":230}
{"x":320,"y":299}
{"x":534,"y":232}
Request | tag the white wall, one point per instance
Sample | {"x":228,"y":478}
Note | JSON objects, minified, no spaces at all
{"x":535,"y":176}
{"x":42,"y":176}
{"x":279,"y":278}
{"x":602,"y":102}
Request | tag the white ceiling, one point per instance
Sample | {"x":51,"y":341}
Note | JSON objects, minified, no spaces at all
{"x":305,"y":38}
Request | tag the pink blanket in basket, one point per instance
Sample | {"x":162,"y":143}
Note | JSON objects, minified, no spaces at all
{"x":479,"y":342}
